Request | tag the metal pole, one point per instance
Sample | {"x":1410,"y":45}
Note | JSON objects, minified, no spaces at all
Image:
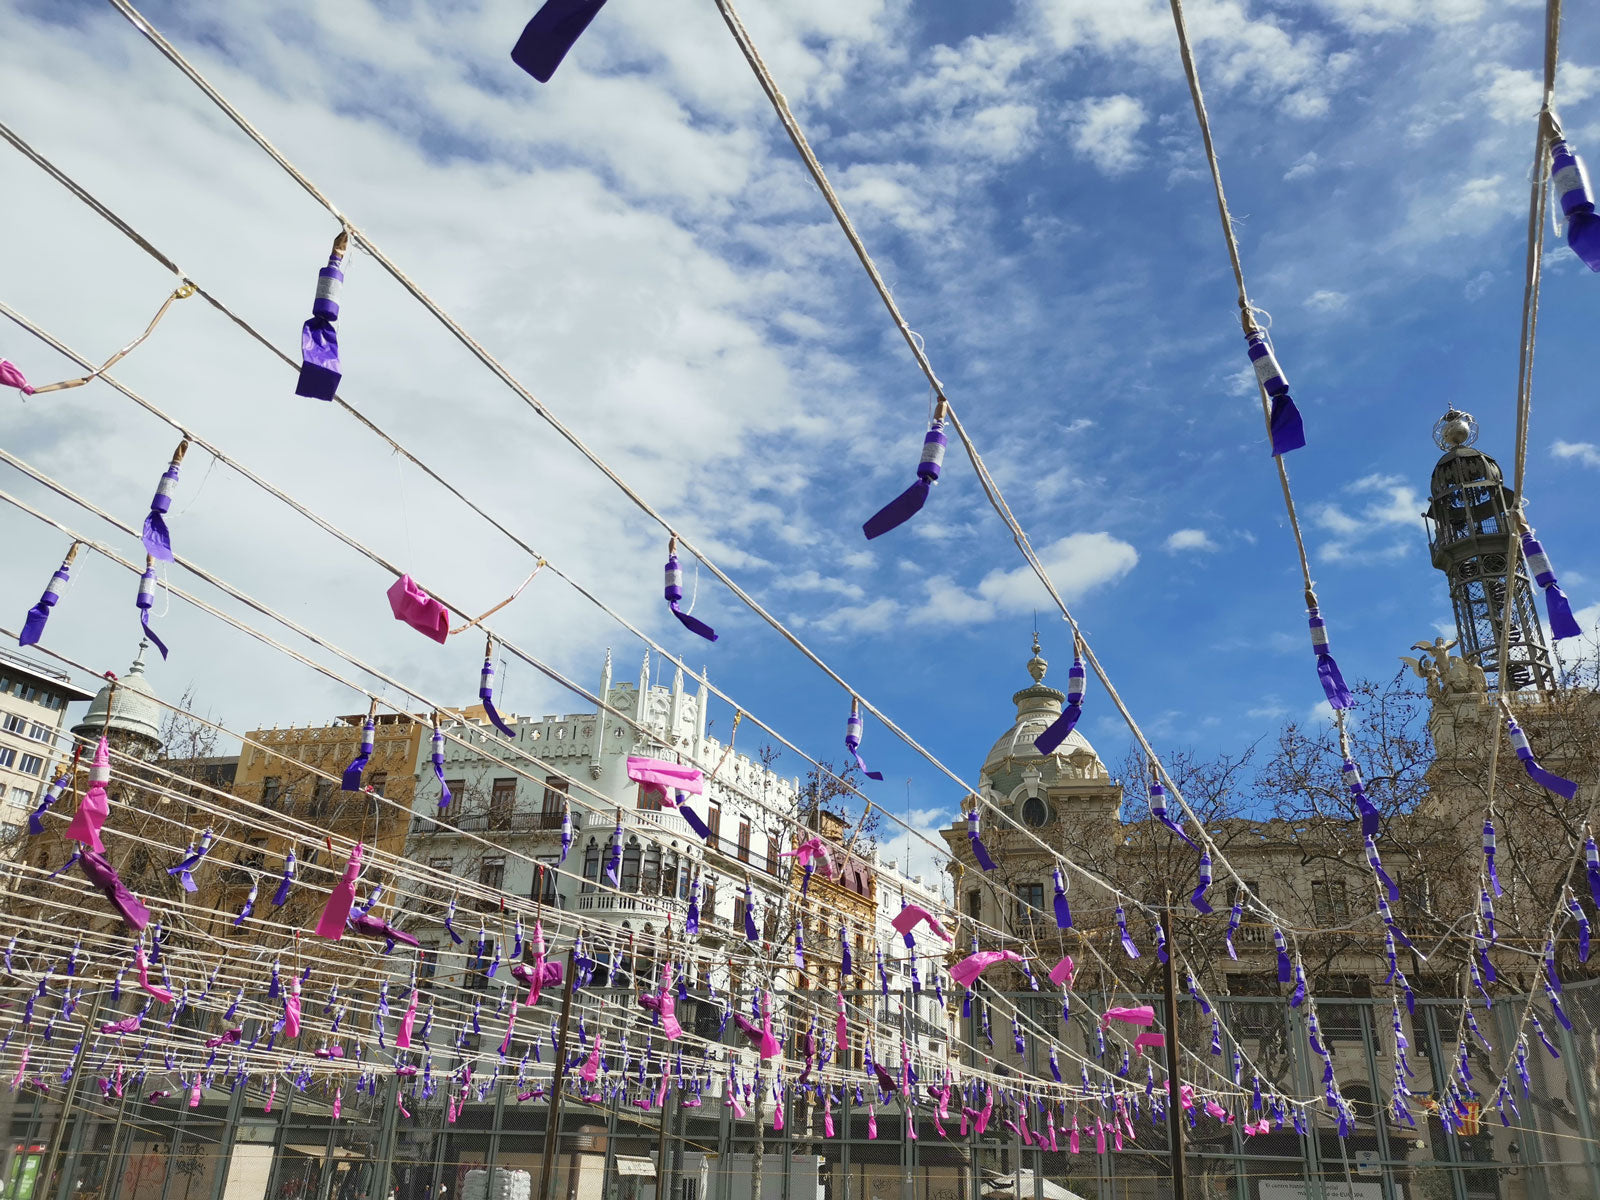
{"x":552,"y":1130}
{"x":609,"y":1165}
{"x":225,"y":1144}
{"x":1169,"y":981}
{"x":172,"y":1153}
{"x":117,"y":1155}
{"x":662,"y":1170}
{"x":384,"y":1168}
{"x":53,"y":1158}
{"x":279,"y":1137}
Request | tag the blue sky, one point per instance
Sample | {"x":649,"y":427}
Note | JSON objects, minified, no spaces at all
{"x":638,"y":243}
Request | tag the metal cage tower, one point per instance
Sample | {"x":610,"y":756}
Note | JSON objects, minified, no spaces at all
{"x":1472,"y":538}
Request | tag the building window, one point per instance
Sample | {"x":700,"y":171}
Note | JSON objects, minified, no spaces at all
{"x":1034,"y":813}
{"x":708,"y":906}
{"x":322,"y":798}
{"x":714,"y":823}
{"x":669,"y":875}
{"x":550,"y":865}
{"x":1329,"y":903}
{"x":30,"y":764}
{"x":630,"y":867}
{"x":591,"y":866}
{"x":974,"y":903}
{"x":1251,"y":931}
{"x":744,"y":841}
{"x":738,"y":915}
{"x":458,"y":788}
{"x":492,"y":873}
{"x":38,"y":732}
{"x":555,"y":802}
{"x":1030,"y":900}
{"x":649,"y":798}
{"x":21,"y":797}
{"x":378,"y":781}
{"x":650,"y":873}
{"x":8,"y":756}
{"x":427,"y":965}
{"x":271,"y":789}
{"x":17,"y":725}
{"x":502,"y":802}
{"x":772,"y":853}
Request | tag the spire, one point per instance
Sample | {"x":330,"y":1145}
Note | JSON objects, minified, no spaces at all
{"x":1037,"y":665}
{"x":1471,"y":525}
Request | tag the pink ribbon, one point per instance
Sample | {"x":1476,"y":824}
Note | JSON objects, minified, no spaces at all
{"x":291,"y":1009}
{"x":1062,"y":971}
{"x":1149,"y":1038}
{"x":143,"y":967}
{"x":1143,"y":1015}
{"x":912,"y":915}
{"x":416,"y":608}
{"x":511,"y":1024}
{"x":970,"y":967}
{"x":806,"y":851}
{"x":11,"y":376}
{"x":341,"y":900}
{"x":662,"y":776}
{"x":403,"y":1038}
{"x":841,"y":1032}
{"x":95,"y":806}
{"x":591,"y":1069}
{"x":827,"y":1112}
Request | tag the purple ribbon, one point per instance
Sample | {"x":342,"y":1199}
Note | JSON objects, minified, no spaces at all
{"x":1199,"y":898}
{"x":1234,"y":918}
{"x":1287,"y":429}
{"x":486,"y":696}
{"x":375,"y":927}
{"x":1582,"y":919}
{"x":1358,"y":793}
{"x":320,"y":371}
{"x":1063,"y":911}
{"x":551,"y":33}
{"x":51,"y":795}
{"x":673,"y":591}
{"x":1591,"y":855}
{"x":909,"y":502}
{"x":1577,"y":203}
{"x":799,"y":948}
{"x":249,"y":906}
{"x":1555,"y":1007}
{"x":351,"y":781}
{"x":1299,"y":996}
{"x":281,"y":896}
{"x":1559,"y":608}
{"x":1376,"y":864}
{"x":978,"y":850}
{"x":1488,"y":854}
{"x":566,"y":830}
{"x":1285,"y":971}
{"x":157,"y":537}
{"x":1486,"y":907}
{"x":1333,"y":685}
{"x":1122,"y":928}
{"x":614,"y":860}
{"x":1538,"y":1028}
{"x":99,"y":871}
{"x":449,"y":926}
{"x":1056,"y":732}
{"x":691,"y":922}
{"x":145,"y":601}
{"x":750,"y":933}
{"x":852,"y":742}
{"x":1158,"y":809}
{"x":33,"y":625}
{"x":1548,"y":780}
{"x":437,"y":757}
{"x":846,"y":965}
{"x":185,"y":868}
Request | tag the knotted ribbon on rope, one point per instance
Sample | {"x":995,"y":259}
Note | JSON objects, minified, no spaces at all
{"x":1376,"y":864}
{"x":95,"y":807}
{"x":97,"y":868}
{"x":1562,"y":623}
{"x":1358,"y":793}
{"x":1158,"y":809}
{"x":146,"y":600}
{"x":909,"y":502}
{"x":1548,"y":780}
{"x":1128,"y":947}
{"x":436,"y":756}
{"x":852,"y":739}
{"x":1287,"y":430}
{"x":341,"y":899}
{"x":350,"y":781}
{"x":320,"y":371}
{"x":1059,"y":729}
{"x":33,"y":624}
{"x":1489,"y":854}
{"x":1063,"y":910}
{"x":286,"y":884}
{"x":191,"y":859}
{"x":1333,"y":685}
{"x":978,"y":851}
{"x":1577,"y":201}
{"x":673,"y":592}
{"x":1198,"y":899}
{"x":157,"y":538}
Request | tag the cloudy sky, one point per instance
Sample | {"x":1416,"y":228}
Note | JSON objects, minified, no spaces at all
{"x":637,"y":242}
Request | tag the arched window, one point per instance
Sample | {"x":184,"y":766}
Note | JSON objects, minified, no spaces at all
{"x":1034,"y":812}
{"x":669,"y":874}
{"x":630,"y":866}
{"x":591,"y":865}
{"x":650,"y":877}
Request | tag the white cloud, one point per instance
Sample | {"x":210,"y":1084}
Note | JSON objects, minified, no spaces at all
{"x":1303,"y":167}
{"x":1324,"y":300}
{"x":1478,"y":286}
{"x":1367,"y":535}
{"x":1190,"y":539}
{"x":1586,"y":453}
{"x":1105,"y":131}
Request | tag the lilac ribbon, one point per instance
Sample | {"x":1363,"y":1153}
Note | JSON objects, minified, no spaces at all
{"x":614,"y":860}
{"x":909,"y":502}
{"x":249,"y":905}
{"x":750,"y":933}
{"x":852,"y":742}
{"x":98,"y":870}
{"x":1555,"y":1006}
{"x":486,"y":696}
{"x":1582,"y":919}
{"x":320,"y":371}
{"x":449,"y":927}
{"x":1058,"y":730}
{"x":1538,"y":1028}
{"x":185,"y":868}
{"x":1234,"y":918}
{"x":566,"y":831}
{"x":156,"y":537}
{"x":51,"y":795}
{"x":1376,"y":864}
{"x":1158,"y":809}
{"x":1287,"y":429}
{"x":1128,"y":947}
{"x":551,"y":33}
{"x":1199,"y":898}
{"x":1358,"y":793}
{"x":978,"y":850}
{"x":1285,"y":971}
{"x":1548,"y":780}
{"x":1577,"y":203}
{"x":1486,"y":907}
{"x":1299,"y":996}
{"x":1488,"y":855}
{"x":691,"y":921}
{"x":1333,"y":685}
{"x":1559,"y":608}
{"x":351,"y":780}
{"x":375,"y":927}
{"x":145,"y":601}
{"x":33,"y":624}
{"x":696,"y":822}
{"x":286,"y":884}
{"x":437,"y":757}
{"x":673,"y":591}
{"x":1063,"y":910}
{"x":1591,"y":855}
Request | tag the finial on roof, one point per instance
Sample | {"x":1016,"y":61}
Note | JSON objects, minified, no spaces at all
{"x":1037,"y":665}
{"x":1455,"y":428}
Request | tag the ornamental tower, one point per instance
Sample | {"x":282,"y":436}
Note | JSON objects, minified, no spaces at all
{"x":1472,"y":537}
